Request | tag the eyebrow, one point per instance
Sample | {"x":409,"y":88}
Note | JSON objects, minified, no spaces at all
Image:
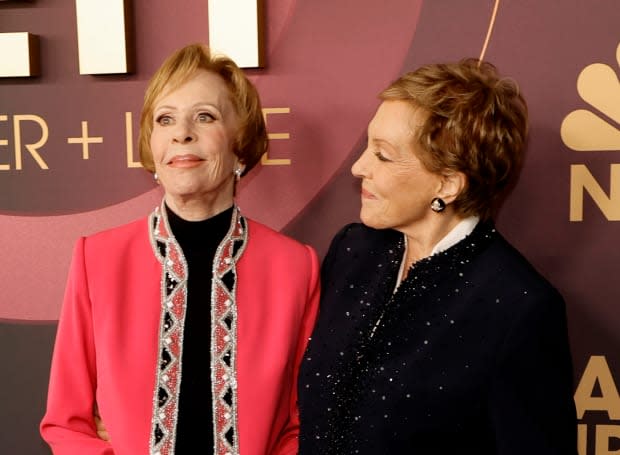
{"x":193,"y":106}
{"x":376,"y":140}
{"x":220,"y":111}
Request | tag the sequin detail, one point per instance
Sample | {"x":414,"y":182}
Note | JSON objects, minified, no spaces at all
{"x":223,"y":336}
{"x":346,"y":377}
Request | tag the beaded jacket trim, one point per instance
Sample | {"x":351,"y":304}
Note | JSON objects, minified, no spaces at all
{"x":172,"y":324}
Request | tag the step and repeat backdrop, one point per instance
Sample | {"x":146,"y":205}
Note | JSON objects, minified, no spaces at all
{"x":69,"y":166}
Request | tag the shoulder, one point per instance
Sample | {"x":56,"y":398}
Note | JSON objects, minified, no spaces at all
{"x":515,"y":268}
{"x":264,"y":232}
{"x":505,"y":278}
{"x":260,"y":232}
{"x":270,"y":255}
{"x":118,"y":238}
{"x":263,"y":239}
{"x":114,"y":253}
{"x":125,"y":230}
{"x":361,"y":237}
{"x":359,"y":254}
{"x":360,"y":243}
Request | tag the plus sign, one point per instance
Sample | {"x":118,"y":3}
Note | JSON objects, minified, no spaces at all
{"x":85,"y":140}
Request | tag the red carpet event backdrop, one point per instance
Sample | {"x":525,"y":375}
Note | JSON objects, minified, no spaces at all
{"x":69,"y":165}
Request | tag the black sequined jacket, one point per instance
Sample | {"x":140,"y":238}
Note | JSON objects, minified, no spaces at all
{"x":469,"y":356}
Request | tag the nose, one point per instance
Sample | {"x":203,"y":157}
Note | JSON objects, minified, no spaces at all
{"x":359,"y":168}
{"x":183,"y":132}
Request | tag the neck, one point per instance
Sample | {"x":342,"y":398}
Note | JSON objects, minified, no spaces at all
{"x":422,"y":239}
{"x":197,"y":209}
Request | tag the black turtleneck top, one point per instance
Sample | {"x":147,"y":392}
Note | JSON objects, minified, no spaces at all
{"x":199,"y":241}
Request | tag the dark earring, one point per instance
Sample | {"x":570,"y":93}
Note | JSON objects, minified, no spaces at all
{"x":438,"y":205}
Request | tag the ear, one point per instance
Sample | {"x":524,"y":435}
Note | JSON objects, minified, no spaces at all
{"x":452,"y":184}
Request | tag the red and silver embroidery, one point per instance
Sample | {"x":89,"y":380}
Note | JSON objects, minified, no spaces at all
{"x":223,"y":336}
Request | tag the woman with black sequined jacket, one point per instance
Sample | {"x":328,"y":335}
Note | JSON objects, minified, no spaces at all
{"x":435,"y":336}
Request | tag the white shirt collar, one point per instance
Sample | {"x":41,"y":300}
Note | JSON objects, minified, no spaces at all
{"x":456,"y":234}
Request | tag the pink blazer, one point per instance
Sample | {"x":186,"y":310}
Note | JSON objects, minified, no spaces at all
{"x":106,"y":349}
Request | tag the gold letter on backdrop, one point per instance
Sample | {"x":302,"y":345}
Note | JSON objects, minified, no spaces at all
{"x":4,"y":142}
{"x":32,"y":148}
{"x":582,"y":439}
{"x":597,"y":370}
{"x":102,"y":36}
{"x":581,"y":180}
{"x":235,"y":30}
{"x":129,"y":141}
{"x":265,"y":160}
{"x":604,"y":433}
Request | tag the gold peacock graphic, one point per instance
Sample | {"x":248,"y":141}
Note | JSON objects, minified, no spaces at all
{"x":597,"y":128}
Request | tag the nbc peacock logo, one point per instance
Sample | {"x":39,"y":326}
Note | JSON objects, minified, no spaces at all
{"x":595,"y":129}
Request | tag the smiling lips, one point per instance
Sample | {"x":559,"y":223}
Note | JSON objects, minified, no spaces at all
{"x":187,"y":160}
{"x":367,"y":195}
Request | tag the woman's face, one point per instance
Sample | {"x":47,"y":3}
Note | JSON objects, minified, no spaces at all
{"x":397,"y":189}
{"x":194,"y":128}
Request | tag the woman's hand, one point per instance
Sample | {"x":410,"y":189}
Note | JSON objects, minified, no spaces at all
{"x":100,"y":427}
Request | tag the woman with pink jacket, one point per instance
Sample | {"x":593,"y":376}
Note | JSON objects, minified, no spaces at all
{"x":184,"y":330}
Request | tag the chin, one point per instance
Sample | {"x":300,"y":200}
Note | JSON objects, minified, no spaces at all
{"x":370,"y":221}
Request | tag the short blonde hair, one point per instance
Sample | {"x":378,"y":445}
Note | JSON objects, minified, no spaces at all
{"x":477,"y":124}
{"x":251,"y":141}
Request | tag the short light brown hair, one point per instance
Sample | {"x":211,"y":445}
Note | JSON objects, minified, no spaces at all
{"x":477,"y":124}
{"x":251,"y":141}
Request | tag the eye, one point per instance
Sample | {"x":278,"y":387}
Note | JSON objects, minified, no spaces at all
{"x":381,"y":157}
{"x":164,"y":120}
{"x":205,"y":117}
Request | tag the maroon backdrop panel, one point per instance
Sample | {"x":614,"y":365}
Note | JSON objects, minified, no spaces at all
{"x":326,"y":61}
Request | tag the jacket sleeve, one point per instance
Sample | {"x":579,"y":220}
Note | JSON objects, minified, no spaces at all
{"x":68,"y":425}
{"x":288,"y":442}
{"x":531,"y":397}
